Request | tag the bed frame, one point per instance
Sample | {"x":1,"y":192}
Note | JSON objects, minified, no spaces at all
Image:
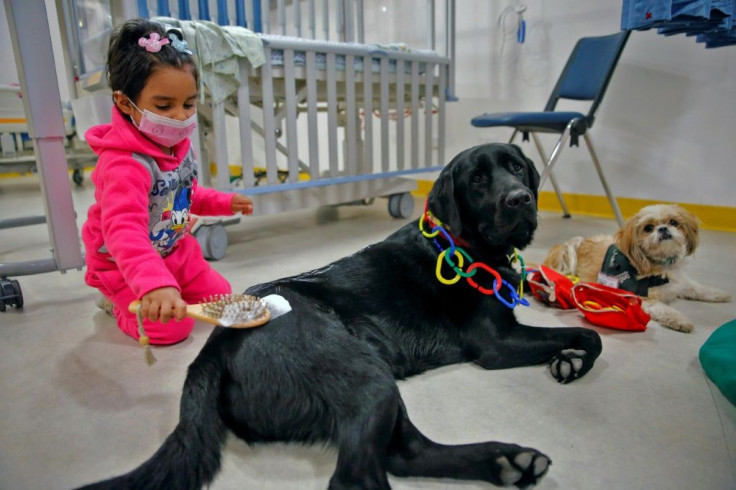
{"x":361,"y":161}
{"x":311,"y":126}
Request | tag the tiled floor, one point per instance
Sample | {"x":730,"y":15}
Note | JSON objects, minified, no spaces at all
{"x":78,"y":403}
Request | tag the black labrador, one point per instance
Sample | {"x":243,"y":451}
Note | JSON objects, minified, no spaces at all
{"x":326,"y":371}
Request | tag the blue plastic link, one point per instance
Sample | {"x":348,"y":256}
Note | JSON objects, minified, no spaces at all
{"x":447,"y":237}
{"x":451,"y":251}
{"x":515,"y":300}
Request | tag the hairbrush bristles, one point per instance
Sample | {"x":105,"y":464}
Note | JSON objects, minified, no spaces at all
{"x":226,"y":310}
{"x":232,"y":309}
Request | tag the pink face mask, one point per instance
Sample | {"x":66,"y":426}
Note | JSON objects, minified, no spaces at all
{"x":164,"y":130}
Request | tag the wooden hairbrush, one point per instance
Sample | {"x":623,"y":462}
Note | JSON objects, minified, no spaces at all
{"x":226,"y":310}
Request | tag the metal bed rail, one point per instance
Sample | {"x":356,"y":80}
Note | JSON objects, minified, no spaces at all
{"x":404,"y":83}
{"x":35,"y":61}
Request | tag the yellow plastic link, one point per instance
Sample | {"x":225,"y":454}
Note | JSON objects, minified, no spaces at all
{"x":517,"y":258}
{"x":428,"y":235}
{"x":440,"y":261}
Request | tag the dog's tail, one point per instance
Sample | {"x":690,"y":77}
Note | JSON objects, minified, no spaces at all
{"x":563,"y":257}
{"x":190,"y":456}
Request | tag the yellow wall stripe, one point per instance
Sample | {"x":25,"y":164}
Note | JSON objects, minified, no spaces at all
{"x":719,"y":218}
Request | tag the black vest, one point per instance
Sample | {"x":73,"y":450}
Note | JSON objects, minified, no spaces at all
{"x":617,"y":268}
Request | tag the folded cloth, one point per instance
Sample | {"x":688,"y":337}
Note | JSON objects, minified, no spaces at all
{"x":217,"y":51}
{"x":711,"y":21}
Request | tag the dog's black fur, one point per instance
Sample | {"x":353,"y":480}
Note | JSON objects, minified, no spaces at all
{"x":327,"y":370}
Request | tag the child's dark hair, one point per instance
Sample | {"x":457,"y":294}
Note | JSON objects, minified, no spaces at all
{"x":129,"y":64}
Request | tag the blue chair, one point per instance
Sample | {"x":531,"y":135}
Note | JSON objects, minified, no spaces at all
{"x":585,"y":78}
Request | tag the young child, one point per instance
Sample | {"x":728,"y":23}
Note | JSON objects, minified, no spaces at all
{"x":136,"y":236}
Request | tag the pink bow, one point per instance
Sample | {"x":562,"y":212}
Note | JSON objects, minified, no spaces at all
{"x":153,"y":43}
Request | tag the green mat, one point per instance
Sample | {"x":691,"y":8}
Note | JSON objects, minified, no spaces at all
{"x":718,"y":358}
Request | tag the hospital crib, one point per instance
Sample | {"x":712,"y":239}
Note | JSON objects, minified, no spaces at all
{"x":16,"y":148}
{"x":298,"y":111}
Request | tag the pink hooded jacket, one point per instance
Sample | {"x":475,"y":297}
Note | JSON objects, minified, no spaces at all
{"x":143,"y":199}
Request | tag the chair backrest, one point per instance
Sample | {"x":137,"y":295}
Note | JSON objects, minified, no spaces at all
{"x":588,"y":71}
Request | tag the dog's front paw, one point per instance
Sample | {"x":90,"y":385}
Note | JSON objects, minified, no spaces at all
{"x":684,"y":326}
{"x":568,"y":365}
{"x":720,"y":297}
{"x":698,"y":292}
{"x":675,"y":321}
{"x":668,"y":317}
{"x":522,"y":469}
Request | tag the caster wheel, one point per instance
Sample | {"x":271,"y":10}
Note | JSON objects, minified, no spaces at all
{"x":18,"y":293}
{"x":213,"y":240}
{"x":77,"y":176}
{"x":401,"y":205}
{"x":10,"y":294}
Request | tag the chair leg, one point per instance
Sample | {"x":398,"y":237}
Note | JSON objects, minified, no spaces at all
{"x":555,"y":156}
{"x":513,"y":136}
{"x":611,"y":197}
{"x":548,"y":164}
{"x":560,"y":198}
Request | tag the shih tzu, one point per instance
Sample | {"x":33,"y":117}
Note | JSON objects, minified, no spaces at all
{"x":644,"y":257}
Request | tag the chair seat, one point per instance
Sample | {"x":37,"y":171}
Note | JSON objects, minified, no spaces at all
{"x":547,"y":121}
{"x":584,"y":78}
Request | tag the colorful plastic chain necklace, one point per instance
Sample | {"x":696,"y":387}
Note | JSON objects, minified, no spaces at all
{"x":452,"y":251}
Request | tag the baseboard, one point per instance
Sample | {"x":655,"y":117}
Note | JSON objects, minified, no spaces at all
{"x":719,"y":218}
{"x":423,"y":188}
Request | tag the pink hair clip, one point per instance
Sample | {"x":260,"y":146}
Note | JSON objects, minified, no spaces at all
{"x":153,"y":43}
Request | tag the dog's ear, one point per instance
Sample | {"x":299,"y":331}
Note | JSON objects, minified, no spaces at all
{"x":689,"y":223}
{"x":442,"y":200}
{"x":627,"y":240}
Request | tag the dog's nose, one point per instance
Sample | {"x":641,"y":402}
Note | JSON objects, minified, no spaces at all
{"x":518,"y":198}
{"x":664,"y":233}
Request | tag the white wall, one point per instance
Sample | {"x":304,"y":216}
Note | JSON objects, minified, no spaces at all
{"x":666,"y":130}
{"x":8,"y":72}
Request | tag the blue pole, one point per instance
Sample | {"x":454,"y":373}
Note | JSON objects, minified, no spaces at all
{"x":143,"y":9}
{"x":257,"y":24}
{"x":184,"y":12}
{"x":204,"y":10}
{"x":240,"y":13}
{"x":222,"y":13}
{"x":162,"y":8}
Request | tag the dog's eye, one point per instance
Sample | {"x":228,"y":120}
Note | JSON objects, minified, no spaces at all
{"x":477,"y":179}
{"x":649,"y":228}
{"x":673,"y":222}
{"x":517,"y":167}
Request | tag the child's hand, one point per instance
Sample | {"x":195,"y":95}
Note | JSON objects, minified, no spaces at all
{"x":163,"y":304}
{"x":241,"y":203}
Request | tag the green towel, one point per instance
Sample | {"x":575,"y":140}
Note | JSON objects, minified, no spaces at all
{"x":718,"y":358}
{"x":217,"y":50}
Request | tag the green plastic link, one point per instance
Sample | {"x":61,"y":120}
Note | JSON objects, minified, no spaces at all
{"x":470,"y":262}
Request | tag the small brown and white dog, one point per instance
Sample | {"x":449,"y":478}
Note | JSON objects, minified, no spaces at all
{"x":644,"y":257}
